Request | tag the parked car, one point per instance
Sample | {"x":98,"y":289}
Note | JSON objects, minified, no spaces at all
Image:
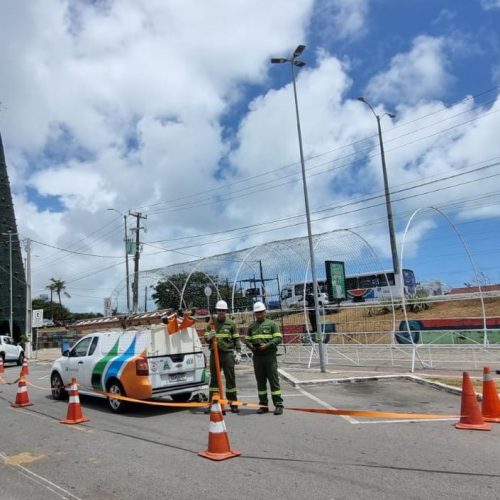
{"x":10,"y":351}
{"x":139,"y":363}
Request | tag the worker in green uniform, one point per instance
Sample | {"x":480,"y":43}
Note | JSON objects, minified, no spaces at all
{"x":229,"y":347}
{"x":263,"y":339}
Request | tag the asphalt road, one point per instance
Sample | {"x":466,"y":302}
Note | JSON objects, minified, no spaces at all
{"x":151,"y":452}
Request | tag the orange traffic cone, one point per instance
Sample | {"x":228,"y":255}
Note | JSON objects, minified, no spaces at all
{"x":490,"y":407}
{"x":25,"y":369}
{"x":218,"y":440}
{"x":470,"y":413}
{"x":22,"y":398}
{"x":75,"y":415}
{"x":2,"y":370}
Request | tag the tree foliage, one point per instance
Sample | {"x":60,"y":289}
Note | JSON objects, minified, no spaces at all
{"x":57,"y":312}
{"x":168,"y":291}
{"x":51,"y":310}
{"x":57,"y":286}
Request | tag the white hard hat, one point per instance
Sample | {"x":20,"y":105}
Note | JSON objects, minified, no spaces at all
{"x":221,"y":305}
{"x":258,"y":307}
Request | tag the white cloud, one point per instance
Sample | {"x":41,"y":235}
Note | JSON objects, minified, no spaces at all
{"x":156,"y":73}
{"x":418,"y":74}
{"x":133,"y":105}
{"x":490,"y":4}
{"x":342,"y":19}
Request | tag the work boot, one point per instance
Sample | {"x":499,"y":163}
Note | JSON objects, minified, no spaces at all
{"x":234,"y":409}
{"x":262,"y":410}
{"x":278,"y":410}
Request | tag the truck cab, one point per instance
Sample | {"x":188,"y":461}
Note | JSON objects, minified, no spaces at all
{"x":292,"y":296}
{"x":10,"y":351}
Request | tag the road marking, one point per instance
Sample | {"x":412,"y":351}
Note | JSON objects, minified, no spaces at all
{"x":42,"y":481}
{"x":51,"y":419}
{"x":406,"y":421}
{"x":284,"y":395}
{"x":22,"y":458}
{"x":326,"y":405}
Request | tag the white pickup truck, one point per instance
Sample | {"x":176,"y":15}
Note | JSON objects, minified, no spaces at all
{"x":139,"y":363}
{"x":10,"y":351}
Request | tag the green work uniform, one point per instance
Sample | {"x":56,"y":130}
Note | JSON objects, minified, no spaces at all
{"x":265,"y":363}
{"x":228,"y":340}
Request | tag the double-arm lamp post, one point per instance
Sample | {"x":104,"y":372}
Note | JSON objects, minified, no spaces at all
{"x":390,"y":222}
{"x":126,"y":256}
{"x":294,"y":62}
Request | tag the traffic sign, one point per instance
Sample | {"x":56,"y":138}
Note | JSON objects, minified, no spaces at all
{"x":37,"y":318}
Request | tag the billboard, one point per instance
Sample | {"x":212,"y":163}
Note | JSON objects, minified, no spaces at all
{"x":335,"y":280}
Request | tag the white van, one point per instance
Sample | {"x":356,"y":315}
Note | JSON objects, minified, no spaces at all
{"x":292,"y":295}
{"x":139,"y":363}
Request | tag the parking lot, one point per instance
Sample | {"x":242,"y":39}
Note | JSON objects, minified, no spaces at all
{"x":152,"y":451}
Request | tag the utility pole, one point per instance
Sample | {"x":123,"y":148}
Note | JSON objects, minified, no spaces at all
{"x":125,"y":240}
{"x":135,"y":288}
{"x":29,"y":307}
{"x":11,"y":325}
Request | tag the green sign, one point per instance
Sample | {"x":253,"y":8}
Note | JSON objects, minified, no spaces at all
{"x":335,"y":277}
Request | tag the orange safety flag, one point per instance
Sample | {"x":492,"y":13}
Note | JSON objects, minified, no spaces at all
{"x":172,"y":325}
{"x":187,"y":321}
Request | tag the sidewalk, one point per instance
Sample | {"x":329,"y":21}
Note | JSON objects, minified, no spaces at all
{"x":300,"y":376}
{"x":45,"y":355}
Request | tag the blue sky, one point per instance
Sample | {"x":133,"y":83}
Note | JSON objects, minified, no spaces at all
{"x":174,"y":110}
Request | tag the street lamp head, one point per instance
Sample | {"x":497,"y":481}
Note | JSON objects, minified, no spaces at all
{"x":299,"y":50}
{"x":361,"y":98}
{"x":278,"y":60}
{"x":299,"y":63}
{"x":391,"y":115}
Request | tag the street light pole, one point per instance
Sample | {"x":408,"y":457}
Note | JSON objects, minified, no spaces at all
{"x":390,"y":221}
{"x":126,"y":256}
{"x":294,"y":62}
{"x":29,"y":306}
{"x":10,"y":283}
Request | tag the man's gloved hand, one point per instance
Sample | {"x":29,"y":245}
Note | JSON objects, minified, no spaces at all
{"x":237,"y":357}
{"x":210,"y":335}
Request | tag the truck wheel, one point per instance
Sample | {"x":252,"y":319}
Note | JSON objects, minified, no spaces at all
{"x":20,"y":359}
{"x":116,"y":405}
{"x":183,"y":397}
{"x":57,"y":387}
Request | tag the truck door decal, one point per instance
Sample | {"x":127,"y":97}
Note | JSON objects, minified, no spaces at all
{"x":100,"y":367}
{"x":114,"y":367}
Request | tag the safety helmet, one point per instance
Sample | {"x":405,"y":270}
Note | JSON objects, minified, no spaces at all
{"x":258,"y":307}
{"x":221,"y":305}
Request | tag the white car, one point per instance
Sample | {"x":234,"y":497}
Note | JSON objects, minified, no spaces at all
{"x":10,"y":351}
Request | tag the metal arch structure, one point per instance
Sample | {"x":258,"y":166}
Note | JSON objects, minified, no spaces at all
{"x":472,"y":263}
{"x":373,"y":254}
{"x":249,"y":253}
{"x":189,"y":277}
{"x":285,"y":261}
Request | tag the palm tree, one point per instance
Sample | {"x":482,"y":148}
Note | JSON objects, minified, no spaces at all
{"x":57,"y":286}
